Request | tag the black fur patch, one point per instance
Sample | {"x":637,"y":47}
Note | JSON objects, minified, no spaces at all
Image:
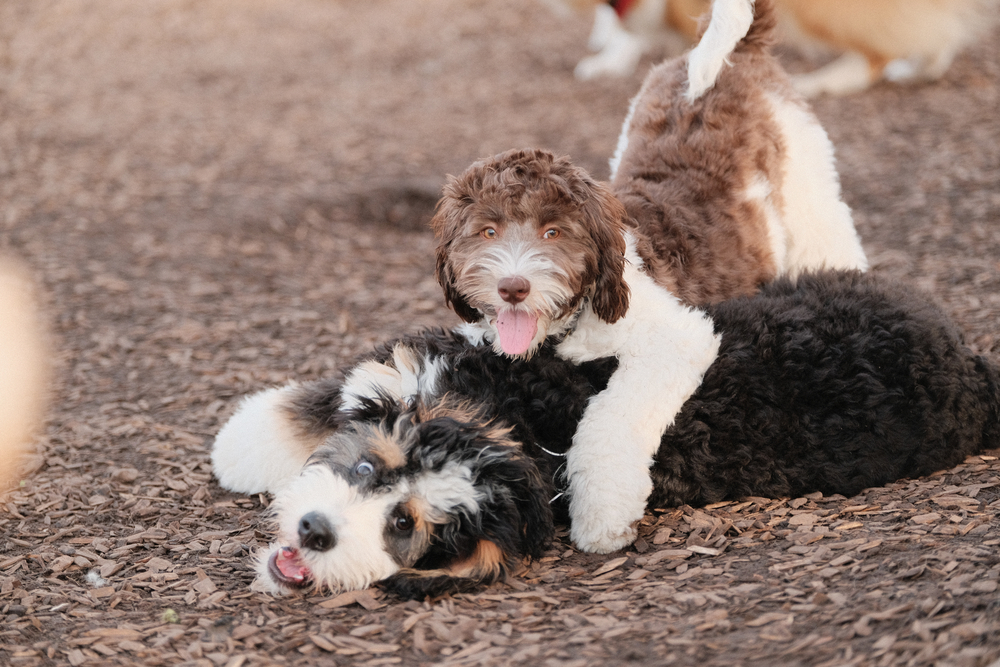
{"x":835,"y":383}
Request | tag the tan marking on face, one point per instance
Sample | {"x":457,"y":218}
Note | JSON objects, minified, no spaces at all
{"x":407,"y":549}
{"x":466,"y":412}
{"x":387,"y":448}
{"x":487,"y":563}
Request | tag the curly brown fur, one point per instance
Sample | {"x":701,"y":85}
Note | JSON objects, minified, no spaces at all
{"x":684,"y":178}
{"x":539,"y":192}
{"x":724,"y":180}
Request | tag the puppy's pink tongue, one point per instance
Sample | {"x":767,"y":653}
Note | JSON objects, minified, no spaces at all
{"x":287,"y":562}
{"x":516,"y":328}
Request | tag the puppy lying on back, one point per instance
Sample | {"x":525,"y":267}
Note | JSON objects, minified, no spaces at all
{"x":722,"y":181}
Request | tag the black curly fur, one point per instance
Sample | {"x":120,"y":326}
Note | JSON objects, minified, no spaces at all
{"x":837,"y":382}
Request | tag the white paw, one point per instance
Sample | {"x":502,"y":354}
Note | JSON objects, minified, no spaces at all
{"x":848,"y":74}
{"x":593,"y":67}
{"x":602,"y":539}
{"x":902,"y":70}
{"x":606,"y":504}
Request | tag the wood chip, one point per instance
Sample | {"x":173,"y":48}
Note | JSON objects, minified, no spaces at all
{"x":204,"y":586}
{"x":363,"y":598}
{"x":851,"y":525}
{"x":770,"y":617}
{"x":609,"y":566}
{"x":324,"y":643}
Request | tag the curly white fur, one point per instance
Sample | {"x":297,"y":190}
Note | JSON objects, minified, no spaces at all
{"x":664,"y":349}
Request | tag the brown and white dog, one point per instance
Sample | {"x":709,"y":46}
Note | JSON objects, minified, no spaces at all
{"x":723,"y":180}
{"x":898,"y":40}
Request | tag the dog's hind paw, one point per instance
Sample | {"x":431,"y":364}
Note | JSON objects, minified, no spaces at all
{"x":619,"y":58}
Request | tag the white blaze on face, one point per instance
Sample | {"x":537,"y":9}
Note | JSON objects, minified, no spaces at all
{"x":358,"y":519}
{"x":519,"y":251}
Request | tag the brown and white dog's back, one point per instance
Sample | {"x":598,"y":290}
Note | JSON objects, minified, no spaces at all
{"x":726,"y":172}
{"x":723,"y":180}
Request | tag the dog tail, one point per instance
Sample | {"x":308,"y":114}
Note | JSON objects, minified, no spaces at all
{"x":734,"y":25}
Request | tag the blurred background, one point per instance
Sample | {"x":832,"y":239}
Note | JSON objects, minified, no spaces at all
{"x":217,"y":195}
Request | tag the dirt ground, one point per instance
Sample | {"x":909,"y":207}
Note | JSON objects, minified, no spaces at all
{"x":221,"y":195}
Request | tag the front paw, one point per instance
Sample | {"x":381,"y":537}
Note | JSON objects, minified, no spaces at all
{"x":604,"y":514}
{"x":602,"y":537}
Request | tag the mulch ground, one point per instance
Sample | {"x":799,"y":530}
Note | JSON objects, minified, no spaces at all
{"x":219,"y":196}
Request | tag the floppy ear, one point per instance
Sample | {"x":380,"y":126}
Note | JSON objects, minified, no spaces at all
{"x":605,"y":218}
{"x":447,"y":223}
{"x":454,"y":298}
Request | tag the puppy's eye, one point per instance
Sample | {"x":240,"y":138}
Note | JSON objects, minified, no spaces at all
{"x":363,"y":469}
{"x":489,"y":233}
{"x":551,"y":233}
{"x":403,"y":523}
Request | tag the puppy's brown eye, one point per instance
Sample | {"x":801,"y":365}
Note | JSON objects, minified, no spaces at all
{"x":489,"y":233}
{"x":551,"y":234}
{"x":403,"y":523}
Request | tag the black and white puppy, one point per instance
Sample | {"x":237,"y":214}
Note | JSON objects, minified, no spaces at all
{"x":435,"y":465}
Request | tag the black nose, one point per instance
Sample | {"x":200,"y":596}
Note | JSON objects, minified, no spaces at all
{"x":316,"y":533}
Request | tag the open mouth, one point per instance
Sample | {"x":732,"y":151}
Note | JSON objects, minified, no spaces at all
{"x":287,"y":569}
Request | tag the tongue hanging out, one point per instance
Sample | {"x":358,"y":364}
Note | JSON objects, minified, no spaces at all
{"x":516,"y":329}
{"x":286,"y":567}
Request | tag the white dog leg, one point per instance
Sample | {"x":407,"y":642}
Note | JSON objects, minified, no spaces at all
{"x":818,"y":226}
{"x":606,"y":24}
{"x":664,"y":349}
{"x":927,"y":68}
{"x":850,"y":73}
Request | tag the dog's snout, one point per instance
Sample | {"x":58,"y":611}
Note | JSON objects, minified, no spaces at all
{"x":513,"y":289}
{"x":316,"y":533}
